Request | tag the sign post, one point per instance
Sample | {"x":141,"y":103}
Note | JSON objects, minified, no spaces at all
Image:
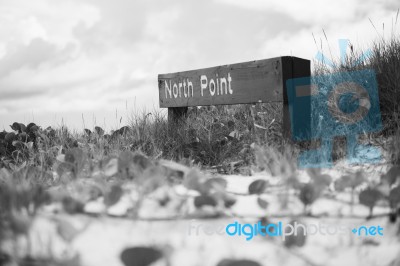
{"x":260,"y":81}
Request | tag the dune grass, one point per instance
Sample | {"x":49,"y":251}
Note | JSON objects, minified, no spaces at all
{"x":87,"y":164}
{"x":384,"y":61}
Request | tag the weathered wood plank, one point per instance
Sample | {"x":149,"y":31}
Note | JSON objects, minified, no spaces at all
{"x":249,"y":82}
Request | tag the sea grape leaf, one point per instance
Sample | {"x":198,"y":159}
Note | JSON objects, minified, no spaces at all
{"x":66,"y":230}
{"x":394,"y":196}
{"x":204,"y":200}
{"x":262,"y":203}
{"x":114,"y":195}
{"x":308,"y":194}
{"x":258,"y":186}
{"x":243,"y":262}
{"x":193,"y":181}
{"x":216,"y":182}
{"x":369,"y":197}
{"x":140,"y":256}
{"x":392,"y":175}
{"x":111,"y":168}
{"x":298,"y":239}
{"x":99,"y":131}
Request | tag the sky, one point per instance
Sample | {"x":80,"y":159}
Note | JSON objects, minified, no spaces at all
{"x":83,"y":63}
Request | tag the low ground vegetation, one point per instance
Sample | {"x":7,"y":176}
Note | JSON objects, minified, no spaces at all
{"x":150,"y":170}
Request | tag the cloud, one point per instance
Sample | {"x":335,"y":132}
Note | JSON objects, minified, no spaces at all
{"x":13,"y":95}
{"x":319,"y":13}
{"x":65,"y":58}
{"x":205,"y":33}
{"x":32,"y":55}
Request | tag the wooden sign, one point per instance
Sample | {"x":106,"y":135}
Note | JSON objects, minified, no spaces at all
{"x":249,"y":82}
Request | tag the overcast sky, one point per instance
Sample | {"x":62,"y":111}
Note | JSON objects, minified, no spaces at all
{"x":64,"y":59}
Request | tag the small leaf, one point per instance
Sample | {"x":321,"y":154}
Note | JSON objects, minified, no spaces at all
{"x":20,"y":223}
{"x":323,"y":180}
{"x":66,"y":230}
{"x":234,"y":134}
{"x":298,"y":239}
{"x":244,"y":262}
{"x":61,"y":158}
{"x":314,"y":173}
{"x":141,"y":161}
{"x":88,"y":132}
{"x":99,"y":131}
{"x":193,"y":181}
{"x":125,"y":160}
{"x":216,"y":182}
{"x":394,"y":196}
{"x":74,"y":155}
{"x":204,"y":200}
{"x":293,"y":181}
{"x":370,"y":242}
{"x":392,"y":217}
{"x":258,"y":186}
{"x":114,"y":195}
{"x":342,"y":183}
{"x":152,"y":178}
{"x":229,"y":200}
{"x":32,"y":128}
{"x":5,"y":175}
{"x":140,"y":256}
{"x":124,"y":130}
{"x":308,"y":194}
{"x":10,"y":137}
{"x":392,"y":175}
{"x":357,"y":179}
{"x":76,"y":158}
{"x":29,"y":145}
{"x":18,"y":127}
{"x":231,"y":124}
{"x":23,"y":137}
{"x":262,"y":203}
{"x":71,"y":205}
{"x":64,"y":168}
{"x":369,"y":197}
{"x":18,"y":144}
{"x":111,"y":167}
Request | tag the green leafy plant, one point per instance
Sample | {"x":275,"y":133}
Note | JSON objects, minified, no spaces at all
{"x":308,"y":194}
{"x":394,"y":201}
{"x":233,"y":262}
{"x":296,"y":240}
{"x":369,"y":197}
{"x":141,"y":256}
{"x":258,"y":186}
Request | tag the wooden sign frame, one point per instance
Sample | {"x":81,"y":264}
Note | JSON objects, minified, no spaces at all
{"x":260,"y":81}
